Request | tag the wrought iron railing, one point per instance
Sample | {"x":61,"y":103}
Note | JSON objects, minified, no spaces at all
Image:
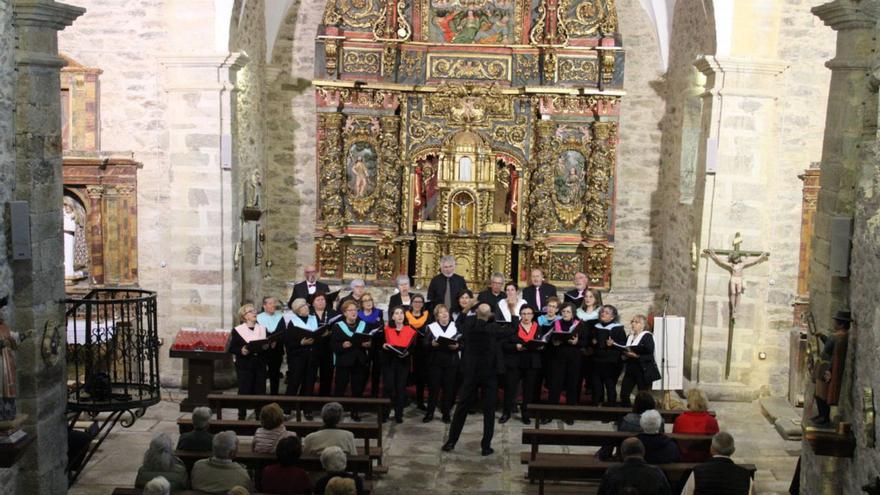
{"x":112,"y":351}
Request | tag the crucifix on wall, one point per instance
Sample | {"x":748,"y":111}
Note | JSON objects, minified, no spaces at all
{"x":736,"y":263}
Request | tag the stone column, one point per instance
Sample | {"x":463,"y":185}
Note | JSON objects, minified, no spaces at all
{"x":96,"y":235}
{"x":39,"y":281}
{"x":740,"y":113}
{"x":200,"y":91}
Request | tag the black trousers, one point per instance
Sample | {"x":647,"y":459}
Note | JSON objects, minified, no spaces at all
{"x":356,"y":375}
{"x":395,"y":371}
{"x":633,"y":377}
{"x":420,"y":373}
{"x":488,"y":383}
{"x":565,"y":372}
{"x":441,"y":379}
{"x":587,"y":372}
{"x":274,"y":359}
{"x":375,"y":354}
{"x":251,"y":381}
{"x":515,"y":375}
{"x":605,"y":377}
{"x":301,"y":373}
{"x":325,"y":370}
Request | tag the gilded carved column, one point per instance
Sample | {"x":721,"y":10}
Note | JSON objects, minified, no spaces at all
{"x":601,"y":166}
{"x":541,"y":214}
{"x":96,"y":232}
{"x":331,"y":173}
{"x":388,"y":205}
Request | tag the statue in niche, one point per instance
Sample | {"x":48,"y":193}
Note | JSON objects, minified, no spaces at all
{"x":425,"y":183}
{"x":76,"y":253}
{"x":570,"y":177}
{"x":361,"y":166}
{"x":506,"y":192}
{"x":253,"y":190}
{"x":737,"y":262}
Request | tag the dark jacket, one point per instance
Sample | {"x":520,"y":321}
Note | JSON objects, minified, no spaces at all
{"x":481,"y":344}
{"x":437,"y":290}
{"x":645,"y":350}
{"x":487,"y":297}
{"x":603,"y":353}
{"x":301,"y":290}
{"x":635,"y":472}
{"x":720,"y":476}
{"x":572,"y":296}
{"x":198,"y":440}
{"x":659,"y":449}
{"x":524,"y":359}
{"x":441,"y":356}
{"x":547,"y":291}
{"x":356,"y":355}
{"x":395,"y":301}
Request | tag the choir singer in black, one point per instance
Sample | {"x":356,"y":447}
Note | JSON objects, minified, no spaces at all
{"x":481,"y":364}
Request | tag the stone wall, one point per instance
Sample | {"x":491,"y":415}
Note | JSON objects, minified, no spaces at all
{"x":8,"y":477}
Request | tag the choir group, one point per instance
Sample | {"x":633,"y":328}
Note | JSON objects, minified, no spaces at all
{"x":564,"y":343}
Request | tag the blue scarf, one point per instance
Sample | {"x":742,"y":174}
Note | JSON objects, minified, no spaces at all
{"x":269,"y":321}
{"x":361,"y":326}
{"x":373,"y":317}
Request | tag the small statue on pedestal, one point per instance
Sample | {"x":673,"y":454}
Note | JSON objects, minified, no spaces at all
{"x":828,"y":373}
{"x":8,"y":343}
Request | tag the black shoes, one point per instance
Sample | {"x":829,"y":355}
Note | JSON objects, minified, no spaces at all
{"x":447,"y":418}
{"x":504,"y":418}
{"x":356,"y":417}
{"x":308,"y":416}
{"x":421,"y":406}
{"x":487,"y":451}
{"x":526,"y":420}
{"x":546,"y":421}
{"x":428,"y":418}
{"x":448,"y":446}
{"x":398,"y":419}
{"x":569,"y":422}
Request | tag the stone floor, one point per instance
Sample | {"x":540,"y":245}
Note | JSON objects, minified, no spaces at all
{"x":417,"y":465}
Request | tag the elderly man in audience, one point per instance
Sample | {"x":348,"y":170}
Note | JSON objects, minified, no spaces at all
{"x":286,"y":478}
{"x":199,"y":438}
{"x":334,"y":461}
{"x":220,"y":473}
{"x":634,"y":473}
{"x":330,"y":435}
{"x":157,"y":486}
{"x":659,"y":449}
{"x":719,"y":475}
{"x":159,"y":460}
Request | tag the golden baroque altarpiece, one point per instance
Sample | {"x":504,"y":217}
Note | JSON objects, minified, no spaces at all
{"x":485,"y":129}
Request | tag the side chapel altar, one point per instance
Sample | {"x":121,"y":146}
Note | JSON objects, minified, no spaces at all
{"x":485,"y":129}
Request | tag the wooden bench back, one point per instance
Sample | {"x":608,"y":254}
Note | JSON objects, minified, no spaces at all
{"x":301,"y":428}
{"x":594,"y":413}
{"x":295,"y":403}
{"x":361,"y":464}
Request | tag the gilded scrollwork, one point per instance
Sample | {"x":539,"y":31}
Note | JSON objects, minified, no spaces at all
{"x":514,"y":134}
{"x":331,"y":56}
{"x":550,"y":66}
{"x":541,"y":212}
{"x":584,"y":18}
{"x":477,"y":68}
{"x":598,"y":259}
{"x":388,"y":205}
{"x":578,"y":69}
{"x":359,"y":14}
{"x":602,"y":157}
{"x":411,"y":63}
{"x":526,"y":67}
{"x":362,"y":61}
{"x":537,"y":35}
{"x":469,"y":104}
{"x":386,"y":258}
{"x":540,"y":254}
{"x":329,"y":253}
{"x":389,"y":59}
{"x":330,"y":169}
{"x":360,"y":260}
{"x":421,"y":130}
{"x":563,"y":266}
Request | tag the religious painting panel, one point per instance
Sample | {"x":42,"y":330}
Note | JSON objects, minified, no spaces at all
{"x":494,"y":22}
{"x":360,"y":166}
{"x":569,"y":186}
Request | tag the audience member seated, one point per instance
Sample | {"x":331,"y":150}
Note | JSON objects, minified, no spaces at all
{"x":340,"y":486}
{"x":719,"y":474}
{"x":157,"y":486}
{"x":634,"y":474}
{"x":695,"y":421}
{"x":659,"y":449}
{"x":159,"y":460}
{"x":285,"y":478}
{"x":238,"y":490}
{"x":199,"y":438}
{"x":220,"y":473}
{"x":333,"y":461}
{"x":330,"y":435}
{"x":644,"y":401}
{"x":271,"y":430}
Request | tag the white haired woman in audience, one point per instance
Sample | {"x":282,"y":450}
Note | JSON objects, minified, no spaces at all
{"x":200,"y":438}
{"x":159,"y":460}
{"x":157,"y":486}
{"x":333,"y":461}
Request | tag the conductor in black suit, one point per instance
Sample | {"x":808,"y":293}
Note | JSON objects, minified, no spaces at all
{"x":481,"y":364}
{"x":536,"y":295}
{"x":308,"y":287}
{"x":446,"y":286}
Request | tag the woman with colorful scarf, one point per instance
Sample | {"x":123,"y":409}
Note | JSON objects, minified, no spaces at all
{"x":443,"y":361}
{"x":399,"y":337}
{"x":350,"y":353}
{"x":418,"y":318}
{"x":522,"y":360}
{"x":372,"y":316}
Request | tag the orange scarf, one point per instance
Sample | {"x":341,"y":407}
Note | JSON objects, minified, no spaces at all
{"x":403,"y":338}
{"x":527,"y":336}
{"x":416,"y":322}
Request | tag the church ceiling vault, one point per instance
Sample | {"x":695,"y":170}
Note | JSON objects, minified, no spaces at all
{"x":486,"y":129}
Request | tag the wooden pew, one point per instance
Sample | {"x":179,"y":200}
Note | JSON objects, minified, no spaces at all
{"x":592,"y":413}
{"x":247,"y":428}
{"x":583,"y":438}
{"x":360,"y":464}
{"x":217,"y":402}
{"x":588,"y":468}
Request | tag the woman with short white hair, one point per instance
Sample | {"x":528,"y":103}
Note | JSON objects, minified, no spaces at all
{"x":157,"y":486}
{"x":250,"y":364}
{"x":333,"y":461}
{"x":403,"y":297}
{"x":159,"y":460}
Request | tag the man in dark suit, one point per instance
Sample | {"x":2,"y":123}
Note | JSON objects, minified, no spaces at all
{"x":634,"y":472}
{"x":446,"y":286}
{"x":576,"y":295}
{"x":719,"y":474}
{"x":308,"y":287}
{"x":494,"y":293}
{"x":481,"y":363}
{"x":536,"y":295}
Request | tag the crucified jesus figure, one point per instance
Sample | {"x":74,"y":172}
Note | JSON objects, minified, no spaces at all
{"x":735,"y":264}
